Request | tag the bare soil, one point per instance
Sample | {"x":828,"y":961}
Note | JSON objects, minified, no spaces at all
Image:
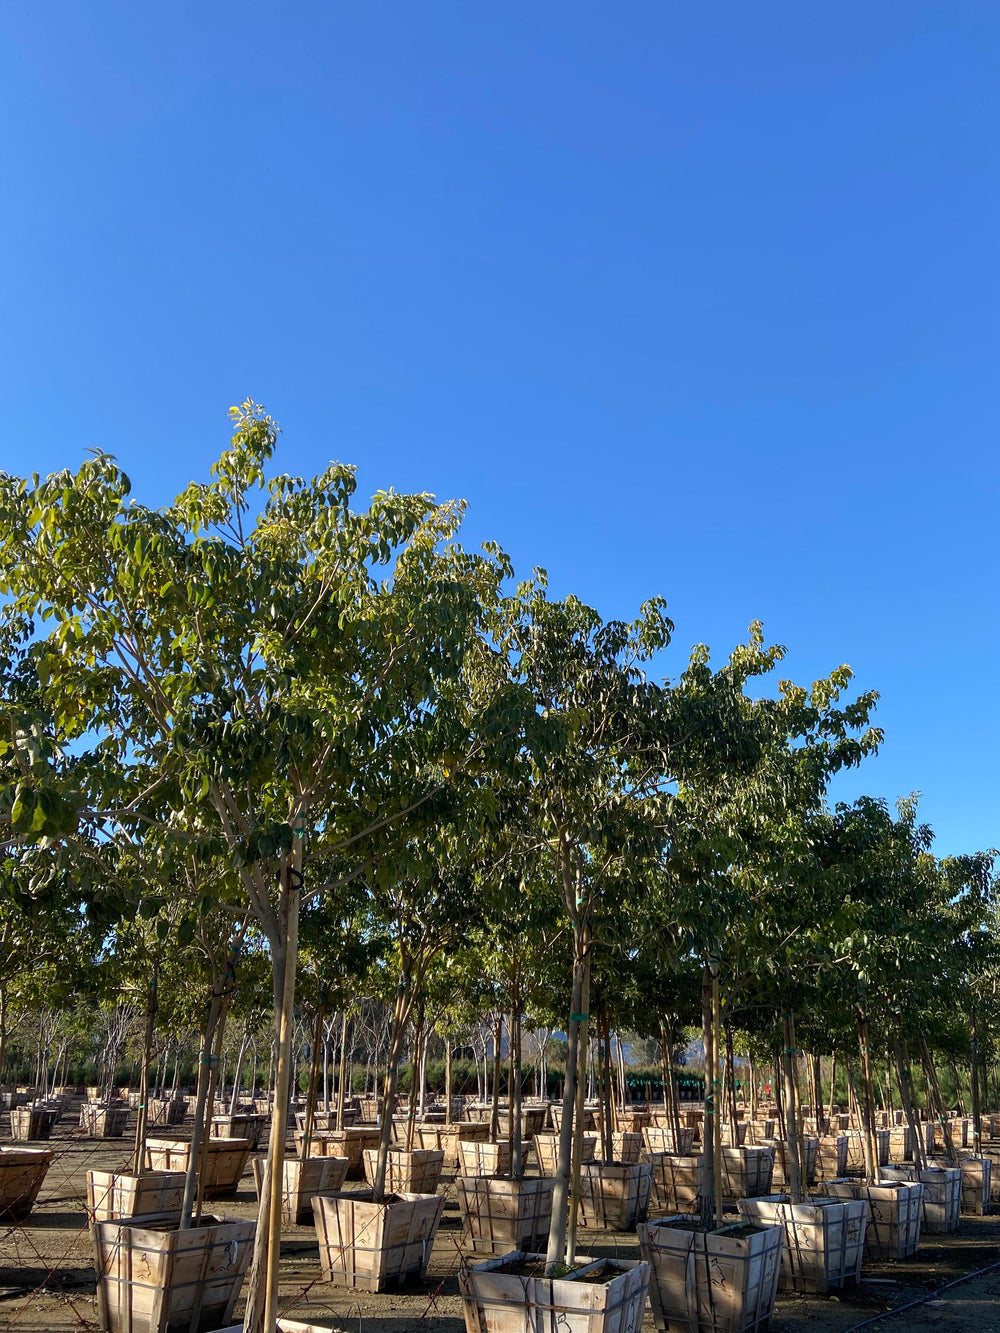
{"x":47,"y":1274}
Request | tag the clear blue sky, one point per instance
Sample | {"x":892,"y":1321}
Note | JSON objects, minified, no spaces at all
{"x":693,"y":299}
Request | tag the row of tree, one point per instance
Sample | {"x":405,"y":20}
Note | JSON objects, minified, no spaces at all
{"x":262,"y":732}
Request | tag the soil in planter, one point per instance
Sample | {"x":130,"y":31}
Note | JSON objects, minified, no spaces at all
{"x":601,"y":1276}
{"x":739,"y":1230}
{"x":535,"y":1268}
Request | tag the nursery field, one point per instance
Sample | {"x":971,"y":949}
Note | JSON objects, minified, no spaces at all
{"x":47,"y":1279}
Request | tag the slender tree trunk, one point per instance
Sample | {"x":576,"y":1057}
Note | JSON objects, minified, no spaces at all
{"x":905,"y":1076}
{"x":142,"y":1115}
{"x":938,"y":1101}
{"x":401,"y":1016}
{"x":311,"y":1094}
{"x":447,"y":1081}
{"x":710,"y":1202}
{"x":796,"y":1181}
{"x":234,"y":1101}
{"x":868,"y":1103}
{"x":833,"y":1087}
{"x":977,"y":1113}
{"x":576,"y":1040}
{"x":578,"y":1123}
{"x":497,"y":1055}
{"x":608,"y":1106}
{"x":342,"y":1079}
{"x":517,"y":1145}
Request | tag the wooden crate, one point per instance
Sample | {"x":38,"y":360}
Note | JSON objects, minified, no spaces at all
{"x":661,"y":1139}
{"x":304,"y":1178}
{"x":152,"y":1278}
{"x":104,"y":1122}
{"x":626,"y":1147}
{"x":111,"y":1195}
{"x":350,"y":1142}
{"x":824,"y":1240}
{"x":486,"y":1159}
{"x":747,"y":1172}
{"x":782,"y":1175}
{"x":415,"y":1172}
{"x":22,"y":1172}
{"x":371,"y":1245}
{"x":631,"y":1121}
{"x":735,"y":1136}
{"x":327,"y":1120}
{"x":676,"y":1183}
{"x":711,"y":1282}
{"x":223,"y":1162}
{"x":900,"y":1144}
{"x":532,"y":1122}
{"x":942,"y":1194}
{"x":503,"y":1215}
{"x":977,"y":1182}
{"x":831,"y":1157}
{"x":760,"y":1131}
{"x":496,"y":1301}
{"x":28,"y":1124}
{"x":164,"y":1111}
{"x":856,"y":1150}
{"x":614,"y":1197}
{"x":252,"y":1127}
{"x":446,"y":1138}
{"x":896,"y":1211}
{"x":547,"y":1151}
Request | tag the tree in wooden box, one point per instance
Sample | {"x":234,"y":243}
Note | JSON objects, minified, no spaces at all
{"x":547,"y":1151}
{"x":614,"y":1196}
{"x":485,"y":1159}
{"x":511,"y":1294}
{"x":942,"y":1194}
{"x":719,"y":1281}
{"x":676,"y":1183}
{"x":373,"y":1244}
{"x":895,"y":1215}
{"x":500,"y":1214}
{"x":154,"y":1278}
{"x":824,"y":1240}
{"x":29,"y":1124}
{"x":408,"y":1171}
{"x":113,"y":1195}
{"x":305,"y":1177}
{"x":220,"y":1162}
{"x":104,"y":1122}
{"x":22,"y":1173}
{"x":665,"y":1139}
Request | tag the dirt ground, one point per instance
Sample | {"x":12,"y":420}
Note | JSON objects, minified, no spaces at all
{"x":47,"y":1275}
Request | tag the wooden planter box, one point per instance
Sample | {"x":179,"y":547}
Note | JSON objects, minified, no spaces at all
{"x":446,"y":1138}
{"x":735,"y":1136}
{"x":663,"y":1139}
{"x":614,"y":1197}
{"x":942,"y":1194}
{"x":824,"y":1240}
{"x":711,"y":1282}
{"x":327,"y":1120}
{"x":152,"y":1278}
{"x":111,"y":1196}
{"x":831,"y":1157}
{"x":414,"y":1172}
{"x":252,"y":1127}
{"x":856,"y":1150}
{"x":747,"y":1172}
{"x":591,"y":1118}
{"x":896,"y":1211}
{"x":977,"y":1182}
{"x":503,"y":1215}
{"x":161,"y":1111}
{"x":782,"y":1178}
{"x":547,"y":1151}
{"x":223,"y":1162}
{"x":371,"y":1245}
{"x":532,"y":1122}
{"x":497,"y":1301}
{"x":104,"y":1122}
{"x":760,"y":1131}
{"x":900,"y":1144}
{"x":676,"y":1183}
{"x":28,"y":1124}
{"x":632,"y":1122}
{"x":627,"y":1147}
{"x":350,"y":1143}
{"x":22,"y":1171}
{"x":486,"y":1159}
{"x":304,"y":1179}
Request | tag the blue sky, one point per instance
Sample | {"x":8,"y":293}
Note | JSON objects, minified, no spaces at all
{"x":697,"y":300}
